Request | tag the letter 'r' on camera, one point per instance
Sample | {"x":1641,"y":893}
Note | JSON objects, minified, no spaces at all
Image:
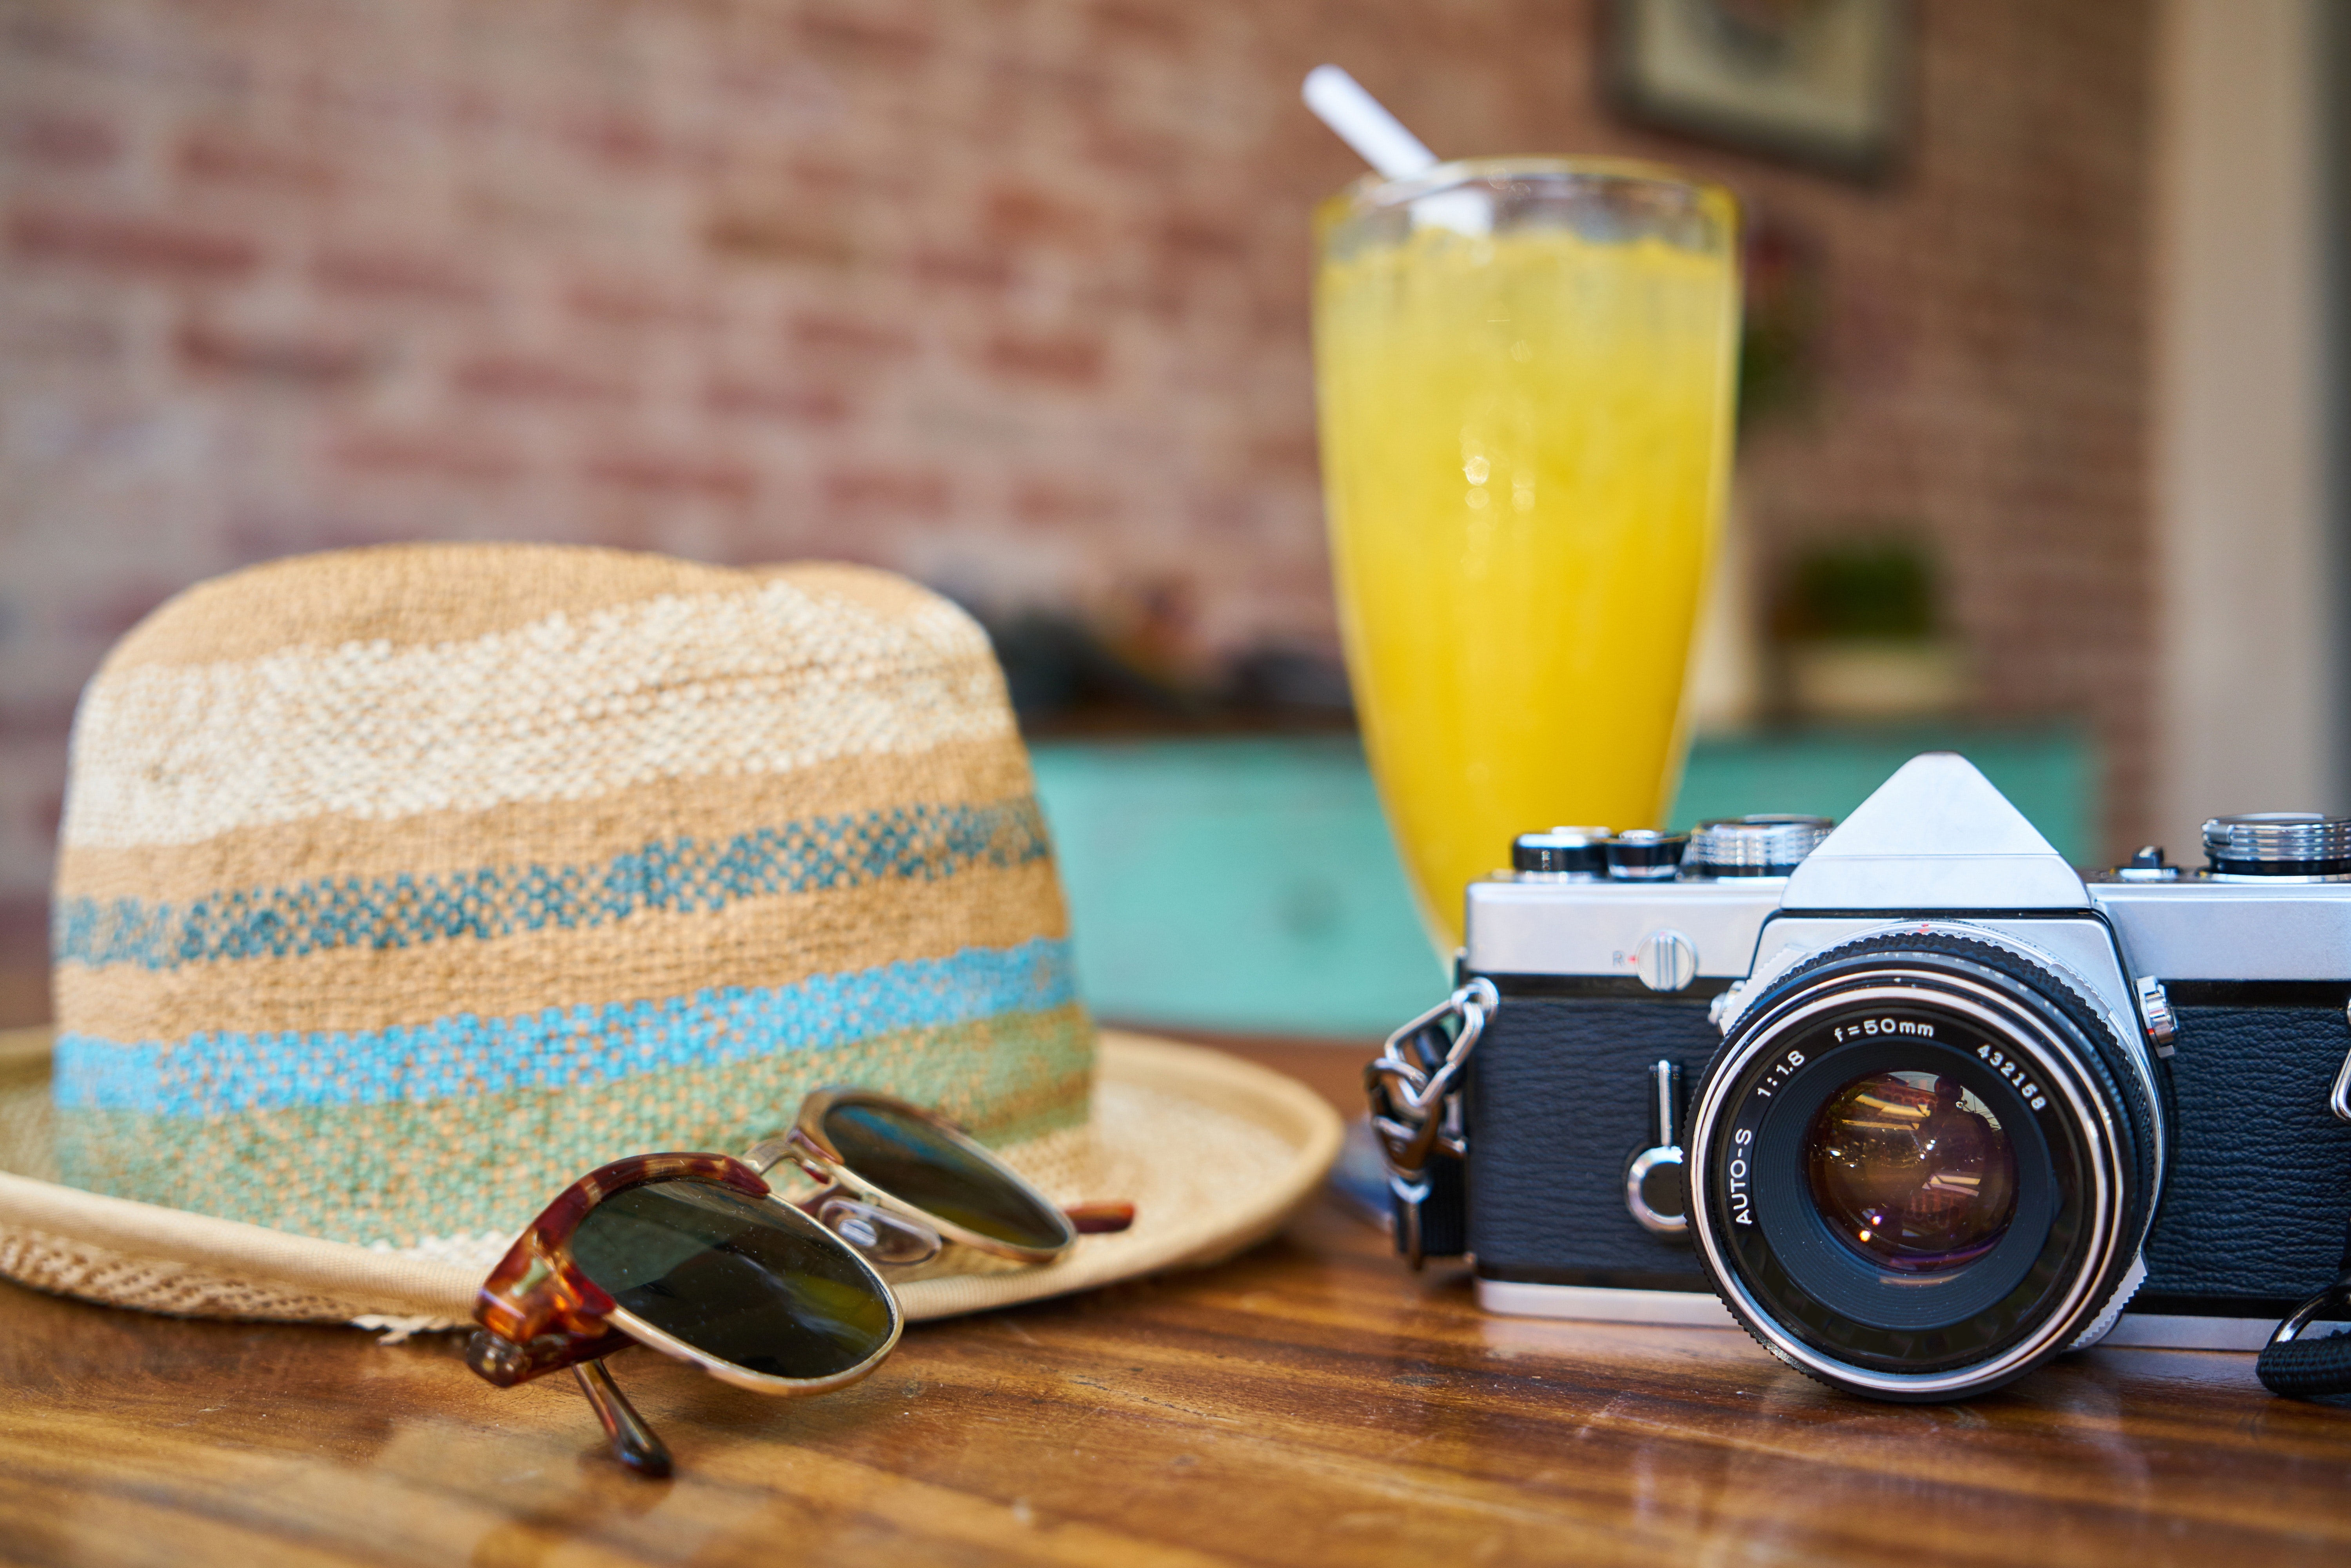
{"x":1910,"y":1099}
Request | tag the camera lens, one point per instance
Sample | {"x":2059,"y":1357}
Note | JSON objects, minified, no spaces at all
{"x":1923,"y":1163}
{"x":1912,"y":1171}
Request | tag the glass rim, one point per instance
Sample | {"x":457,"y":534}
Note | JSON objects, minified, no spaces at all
{"x":1374,"y":191}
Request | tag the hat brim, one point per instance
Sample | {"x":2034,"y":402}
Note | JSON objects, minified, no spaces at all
{"x":1214,"y":1152}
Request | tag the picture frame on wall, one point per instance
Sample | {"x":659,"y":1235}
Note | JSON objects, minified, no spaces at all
{"x":1823,"y":83}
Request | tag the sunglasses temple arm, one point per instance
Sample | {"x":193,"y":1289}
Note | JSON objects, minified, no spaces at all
{"x":1100,"y":1218}
{"x":633,"y":1443}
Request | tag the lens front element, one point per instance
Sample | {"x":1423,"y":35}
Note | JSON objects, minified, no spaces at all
{"x":1912,"y":1171}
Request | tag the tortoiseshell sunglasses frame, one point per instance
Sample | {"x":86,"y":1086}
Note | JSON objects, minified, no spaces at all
{"x":539,"y":1313}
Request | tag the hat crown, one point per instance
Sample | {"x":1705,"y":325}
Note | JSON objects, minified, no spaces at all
{"x":399,"y":886}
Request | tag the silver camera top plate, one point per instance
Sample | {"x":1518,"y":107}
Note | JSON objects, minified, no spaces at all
{"x":1936,"y":840}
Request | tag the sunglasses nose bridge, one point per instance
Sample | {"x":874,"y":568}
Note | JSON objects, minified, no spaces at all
{"x":791,"y":1147}
{"x":897,"y":1239}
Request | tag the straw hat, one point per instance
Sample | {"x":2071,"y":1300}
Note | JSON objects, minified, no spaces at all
{"x":399,"y":887}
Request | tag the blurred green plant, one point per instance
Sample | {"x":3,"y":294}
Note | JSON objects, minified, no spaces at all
{"x":1881,"y":587}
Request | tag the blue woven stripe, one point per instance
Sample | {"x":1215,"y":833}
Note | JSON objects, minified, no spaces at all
{"x":681,"y":875}
{"x":466,"y":1057}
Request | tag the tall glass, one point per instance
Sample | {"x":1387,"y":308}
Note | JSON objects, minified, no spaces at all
{"x":1525,"y":374}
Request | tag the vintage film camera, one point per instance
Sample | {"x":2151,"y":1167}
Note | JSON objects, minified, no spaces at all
{"x":1911,"y":1099}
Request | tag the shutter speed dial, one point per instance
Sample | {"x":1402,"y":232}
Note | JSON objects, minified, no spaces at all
{"x":1771,"y":844}
{"x":2307,"y":846}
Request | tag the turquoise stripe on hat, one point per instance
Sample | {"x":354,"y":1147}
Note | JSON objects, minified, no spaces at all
{"x":404,"y":1174}
{"x":683,"y":875}
{"x":212,"y":1074}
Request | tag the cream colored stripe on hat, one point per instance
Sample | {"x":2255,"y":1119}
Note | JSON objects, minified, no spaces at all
{"x":399,"y":595}
{"x":713,"y":808}
{"x":563,"y":709}
{"x":772,"y":941}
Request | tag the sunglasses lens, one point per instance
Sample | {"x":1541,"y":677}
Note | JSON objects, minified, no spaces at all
{"x":745,"y":1279}
{"x":916,"y":1163}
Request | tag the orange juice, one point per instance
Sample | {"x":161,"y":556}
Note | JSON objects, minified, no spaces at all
{"x":1525,"y":437}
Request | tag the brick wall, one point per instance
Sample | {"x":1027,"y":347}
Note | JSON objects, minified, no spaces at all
{"x":1986,"y":367}
{"x":1009,"y":294}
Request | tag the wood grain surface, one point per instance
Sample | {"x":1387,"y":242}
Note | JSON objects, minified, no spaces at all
{"x":1309,"y":1403}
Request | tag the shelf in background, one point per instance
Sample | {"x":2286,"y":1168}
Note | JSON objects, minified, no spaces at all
{"x":1248,"y":883}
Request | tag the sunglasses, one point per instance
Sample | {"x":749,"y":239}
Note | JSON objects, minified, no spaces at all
{"x":696,"y":1256}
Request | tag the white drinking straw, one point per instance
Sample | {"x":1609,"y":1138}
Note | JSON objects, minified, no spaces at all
{"x":1378,"y":137}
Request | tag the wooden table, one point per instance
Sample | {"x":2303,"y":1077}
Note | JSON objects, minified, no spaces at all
{"x":1307,"y":1403}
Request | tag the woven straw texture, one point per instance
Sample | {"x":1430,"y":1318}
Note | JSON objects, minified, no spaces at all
{"x":399,"y":887}
{"x":1213,"y":1152}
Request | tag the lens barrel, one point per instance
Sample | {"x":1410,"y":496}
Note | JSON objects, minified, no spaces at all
{"x":1922,"y":1164}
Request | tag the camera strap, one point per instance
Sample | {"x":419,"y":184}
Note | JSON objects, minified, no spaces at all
{"x":2296,"y":1362}
{"x":2306,"y":1367}
{"x":1415,"y":1088}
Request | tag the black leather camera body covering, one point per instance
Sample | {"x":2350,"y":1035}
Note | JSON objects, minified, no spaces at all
{"x":1558,"y":1104}
{"x":2252,"y":1216}
{"x":2249,"y":1220}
